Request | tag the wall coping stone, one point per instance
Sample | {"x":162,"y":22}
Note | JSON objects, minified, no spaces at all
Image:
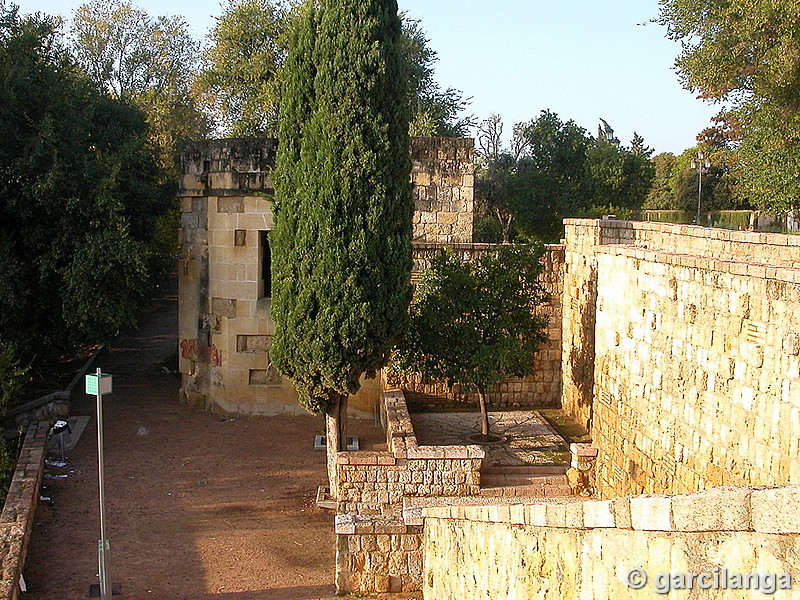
{"x":753,"y":509}
{"x":402,"y":441}
{"x":16,"y":519}
{"x":697,"y":231}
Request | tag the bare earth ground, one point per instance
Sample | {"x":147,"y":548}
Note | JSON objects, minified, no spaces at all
{"x":199,"y":507}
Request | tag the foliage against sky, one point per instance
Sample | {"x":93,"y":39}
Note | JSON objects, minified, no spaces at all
{"x":747,"y":53}
{"x":79,"y":197}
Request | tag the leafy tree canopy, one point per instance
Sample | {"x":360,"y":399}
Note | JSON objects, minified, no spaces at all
{"x":554,"y":170}
{"x":147,"y":61}
{"x":238,"y":80}
{"x":79,"y":197}
{"x":435,"y":112}
{"x":747,"y":52}
{"x":475,"y":323}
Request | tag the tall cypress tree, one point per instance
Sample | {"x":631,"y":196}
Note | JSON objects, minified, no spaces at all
{"x":342,"y":236}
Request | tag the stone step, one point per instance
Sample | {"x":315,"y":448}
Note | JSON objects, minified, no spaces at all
{"x":506,"y":479}
{"x":537,"y":490}
{"x":532,"y":470}
{"x":524,"y":484}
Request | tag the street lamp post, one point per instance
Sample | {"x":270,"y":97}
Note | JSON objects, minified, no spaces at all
{"x":97,"y":385}
{"x":701,"y":165}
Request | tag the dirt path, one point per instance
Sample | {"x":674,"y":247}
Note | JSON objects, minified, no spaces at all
{"x":199,"y":507}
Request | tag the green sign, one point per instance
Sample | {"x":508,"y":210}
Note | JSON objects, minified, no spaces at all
{"x":92,"y":387}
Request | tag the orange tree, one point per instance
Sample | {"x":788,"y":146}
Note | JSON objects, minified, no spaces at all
{"x":475,"y":323}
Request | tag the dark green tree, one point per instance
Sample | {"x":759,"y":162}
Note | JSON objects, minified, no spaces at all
{"x":619,"y":178}
{"x":147,"y":61}
{"x":552,"y":173}
{"x":79,"y":197}
{"x":238,"y":82}
{"x":342,"y":236}
{"x":475,"y":323}
{"x":662,"y":194}
{"x":497,"y":191}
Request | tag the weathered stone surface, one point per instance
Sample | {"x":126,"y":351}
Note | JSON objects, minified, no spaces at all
{"x":268,"y":376}
{"x":597,"y":513}
{"x":230,"y":205}
{"x":651,"y":513}
{"x":224,"y":307}
{"x":693,"y":376}
{"x":776,"y":510}
{"x":719,"y":509}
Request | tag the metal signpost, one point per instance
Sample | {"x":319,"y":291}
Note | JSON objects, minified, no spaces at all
{"x":97,"y":385}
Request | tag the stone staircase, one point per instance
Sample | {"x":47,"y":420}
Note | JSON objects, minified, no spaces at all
{"x":525,"y":480}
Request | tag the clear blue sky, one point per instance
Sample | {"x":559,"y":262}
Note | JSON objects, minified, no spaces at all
{"x":583,"y":59}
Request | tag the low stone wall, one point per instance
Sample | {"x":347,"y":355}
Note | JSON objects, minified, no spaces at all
{"x":16,"y":519}
{"x":376,"y":550}
{"x":377,"y":554}
{"x":376,"y":482}
{"x":585,"y":550}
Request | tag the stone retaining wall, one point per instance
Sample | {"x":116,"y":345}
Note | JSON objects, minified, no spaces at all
{"x":376,"y":482}
{"x":376,"y":551}
{"x":584,"y":550}
{"x":16,"y":519}
{"x":682,"y":352}
{"x":377,"y":554}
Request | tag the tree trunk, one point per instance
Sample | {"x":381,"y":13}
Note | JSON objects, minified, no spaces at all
{"x":484,"y":412}
{"x":335,"y":439}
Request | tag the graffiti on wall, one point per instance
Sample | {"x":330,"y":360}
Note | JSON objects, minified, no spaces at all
{"x":189,"y":349}
{"x":216,"y":357}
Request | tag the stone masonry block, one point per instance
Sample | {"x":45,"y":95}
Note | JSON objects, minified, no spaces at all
{"x":719,"y":509}
{"x":776,"y":510}
{"x":597,"y":513}
{"x":345,"y":524}
{"x":651,"y":513}
{"x":556,"y":515}
{"x":224,"y":307}
{"x":413,"y":515}
{"x":621,"y":509}
{"x":230,"y":205}
{"x":574,"y":515}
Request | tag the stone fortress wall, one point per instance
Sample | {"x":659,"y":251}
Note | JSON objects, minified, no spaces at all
{"x":225,"y":325}
{"x":682,"y":351}
{"x":575,"y":549}
{"x":678,"y":348}
{"x":680,"y":354}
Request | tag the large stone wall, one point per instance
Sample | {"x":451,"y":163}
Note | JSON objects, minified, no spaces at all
{"x":686,"y":360}
{"x":584,"y":550}
{"x":443,"y":174}
{"x":225,"y":322}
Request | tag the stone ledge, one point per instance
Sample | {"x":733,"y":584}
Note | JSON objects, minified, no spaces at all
{"x":743,"y":268}
{"x":752,"y":509}
{"x":19,"y":508}
{"x":711,"y":234}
